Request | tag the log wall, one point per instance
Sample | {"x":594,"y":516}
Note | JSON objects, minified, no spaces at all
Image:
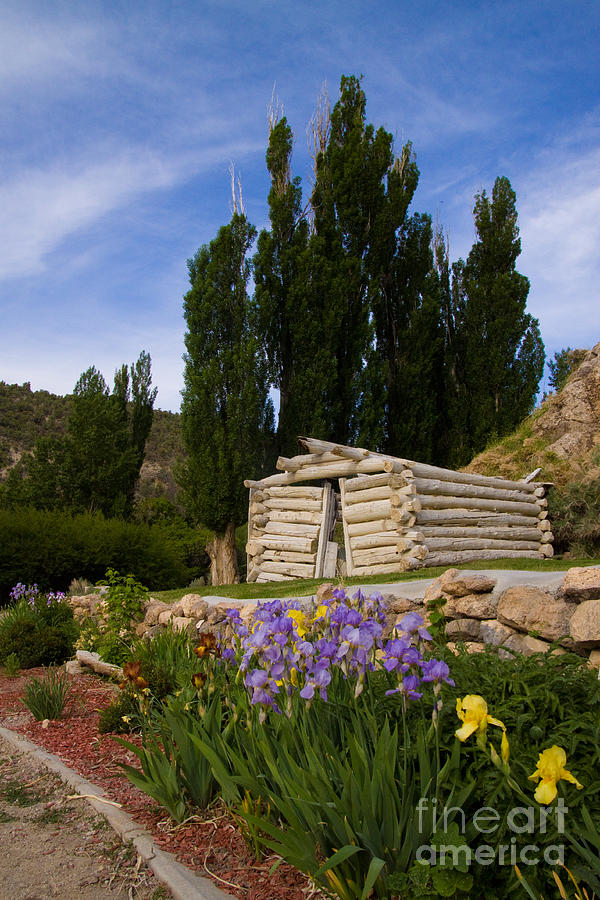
{"x":397,"y":515}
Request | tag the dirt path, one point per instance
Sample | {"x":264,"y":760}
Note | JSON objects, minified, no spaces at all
{"x":56,"y":848}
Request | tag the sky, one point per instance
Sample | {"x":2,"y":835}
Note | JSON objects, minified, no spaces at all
{"x":121,"y":120}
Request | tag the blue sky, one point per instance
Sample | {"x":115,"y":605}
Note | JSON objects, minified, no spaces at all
{"x":121,"y":119}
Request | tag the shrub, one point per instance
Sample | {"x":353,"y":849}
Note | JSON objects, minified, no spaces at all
{"x":40,"y":631}
{"x":52,"y":548}
{"x":45,"y":698}
{"x":575,"y":515}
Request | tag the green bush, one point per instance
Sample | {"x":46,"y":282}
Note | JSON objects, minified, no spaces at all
{"x":52,"y":548}
{"x":40,"y":632}
{"x":120,"y":716}
{"x":575,"y":515}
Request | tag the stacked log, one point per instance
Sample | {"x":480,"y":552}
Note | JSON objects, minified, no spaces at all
{"x":397,"y":515}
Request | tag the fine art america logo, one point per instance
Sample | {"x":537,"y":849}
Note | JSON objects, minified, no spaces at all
{"x":520,"y":820}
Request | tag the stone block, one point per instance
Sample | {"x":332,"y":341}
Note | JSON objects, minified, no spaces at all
{"x":492,"y":631}
{"x":581,"y":583}
{"x":533,"y":609}
{"x":471,"y":606}
{"x":189,"y":602}
{"x":585,"y":624}
{"x":153,"y":611}
{"x":463,"y":629}
{"x":459,"y":584}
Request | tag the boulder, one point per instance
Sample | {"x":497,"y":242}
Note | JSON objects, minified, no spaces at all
{"x":594,"y":659}
{"x":533,"y":609}
{"x":181,"y":623}
{"x":472,"y":606}
{"x":492,"y":631}
{"x":153,"y":611}
{"x":459,"y":584}
{"x":325,"y":592}
{"x":192,"y":601}
{"x":581,"y":583}
{"x":524,"y":644}
{"x":474,"y":647}
{"x":585,"y":624}
{"x":463,"y":629}
{"x":165,"y":616}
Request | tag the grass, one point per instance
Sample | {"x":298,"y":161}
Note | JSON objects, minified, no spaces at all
{"x":304,"y":587}
{"x":17,"y":794}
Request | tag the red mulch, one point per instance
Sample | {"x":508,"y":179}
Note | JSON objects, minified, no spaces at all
{"x":209,"y":844}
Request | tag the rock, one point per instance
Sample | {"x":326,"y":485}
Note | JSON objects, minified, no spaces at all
{"x":74,"y":667}
{"x":581,"y":583}
{"x":472,"y":606}
{"x":165,"y":616}
{"x":533,"y":609}
{"x":324,"y":592}
{"x":524,"y":644}
{"x":594,"y":659}
{"x":459,"y":584}
{"x":153,"y":611}
{"x":177,"y":609}
{"x":492,"y":631}
{"x":585,"y":624}
{"x":141,"y":628}
{"x":400,"y":605}
{"x":474,"y":647}
{"x":181,"y":623}
{"x":463,"y":629}
{"x":434,"y":591}
{"x":189,"y":602}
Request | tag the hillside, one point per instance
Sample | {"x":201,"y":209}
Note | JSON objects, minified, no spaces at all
{"x":562,"y":437}
{"x":26,"y":415}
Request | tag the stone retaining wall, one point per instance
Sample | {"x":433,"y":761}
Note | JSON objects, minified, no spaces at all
{"x":523,"y":619}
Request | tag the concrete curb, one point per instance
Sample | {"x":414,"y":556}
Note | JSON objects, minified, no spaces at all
{"x":183,"y":884}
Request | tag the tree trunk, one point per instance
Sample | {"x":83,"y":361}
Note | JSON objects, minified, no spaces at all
{"x":223,"y":557}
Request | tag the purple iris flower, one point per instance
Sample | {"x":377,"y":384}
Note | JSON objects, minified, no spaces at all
{"x":413,"y":623}
{"x":319,"y":677}
{"x":408,"y":688}
{"x":436,"y":670}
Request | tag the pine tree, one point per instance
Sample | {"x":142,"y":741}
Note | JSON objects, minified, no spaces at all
{"x":225,"y":408}
{"x":496,"y":346}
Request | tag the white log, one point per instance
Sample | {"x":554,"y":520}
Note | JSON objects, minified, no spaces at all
{"x":417,"y":536}
{"x":474,"y":517}
{"x":540,"y":491}
{"x":542,"y":503}
{"x":381,"y":555}
{"x":290,"y":490}
{"x":257,"y":509}
{"x":376,"y":525}
{"x":375,"y":493}
{"x":404,"y":544}
{"x":542,"y":514}
{"x":402,"y":496}
{"x":266,"y":577}
{"x":547,"y":550}
{"x":93,"y":661}
{"x":366,"y":512}
{"x":299,"y":503}
{"x":419,"y":552}
{"x":330,"y":564}
{"x":431,"y":501}
{"x":253,"y":547}
{"x":315,"y":446}
{"x":366,"y":482}
{"x":422,"y":470}
{"x":293,"y":463}
{"x":339,"y":469}
{"x":346,"y":527}
{"x":259,"y":521}
{"x":544,"y":525}
{"x":472,"y":531}
{"x":461,"y":556}
{"x":403,"y":565}
{"x":297,"y":570}
{"x":547,"y":537}
{"x":289,"y":556}
{"x":296,"y":515}
{"x":295,"y":544}
{"x":294,"y":528}
{"x":458,"y":489}
{"x":327,"y":524}
{"x":403,"y":518}
{"x":378,"y":539}
{"x":444,"y":543}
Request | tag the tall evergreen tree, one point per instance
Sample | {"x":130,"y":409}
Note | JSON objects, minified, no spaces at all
{"x":497,"y":346}
{"x":225,"y":407}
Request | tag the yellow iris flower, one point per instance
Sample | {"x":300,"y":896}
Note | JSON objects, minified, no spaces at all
{"x":472,"y":710}
{"x":321,"y":612}
{"x":550,"y":770}
{"x":298,"y":617}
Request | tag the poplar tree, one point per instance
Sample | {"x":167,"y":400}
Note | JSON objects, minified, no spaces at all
{"x":225,"y":408}
{"x":497,"y":346}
